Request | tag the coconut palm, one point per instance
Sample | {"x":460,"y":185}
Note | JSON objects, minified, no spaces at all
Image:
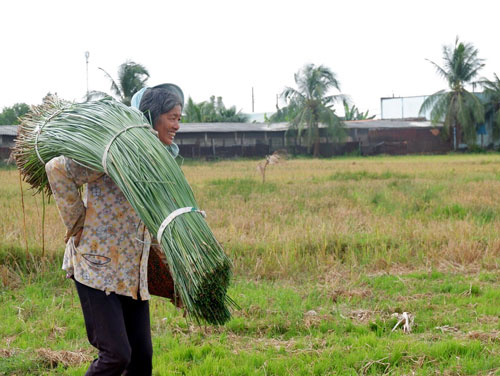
{"x":213,"y":111}
{"x":132,"y":77}
{"x":192,"y":112}
{"x":458,"y":109}
{"x":352,"y":113}
{"x":313,"y":104}
{"x":491,"y":91}
{"x":285,"y":114}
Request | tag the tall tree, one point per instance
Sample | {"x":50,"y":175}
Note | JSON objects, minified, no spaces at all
{"x":313,"y":105}
{"x":132,"y":77}
{"x":212,"y":111}
{"x":491,"y":92}
{"x":284,"y":114}
{"x":458,"y":109}
{"x":192,"y":112}
{"x":352,"y":113}
{"x":11,"y":115}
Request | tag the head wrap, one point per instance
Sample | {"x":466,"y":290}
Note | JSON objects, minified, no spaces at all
{"x":136,"y":98}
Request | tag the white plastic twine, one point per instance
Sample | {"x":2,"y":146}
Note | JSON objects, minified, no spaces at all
{"x":106,"y":150}
{"x":172,"y":216}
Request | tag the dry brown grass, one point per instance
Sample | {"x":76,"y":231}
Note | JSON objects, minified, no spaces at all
{"x":11,"y":223}
{"x":6,"y":353}
{"x":53,"y":357}
{"x":322,"y":215}
{"x":334,"y":220}
{"x":485,"y":337}
{"x":8,"y":278}
{"x":66,"y":358}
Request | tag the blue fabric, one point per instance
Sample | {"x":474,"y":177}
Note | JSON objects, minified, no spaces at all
{"x":173,"y":149}
{"x":136,"y":98}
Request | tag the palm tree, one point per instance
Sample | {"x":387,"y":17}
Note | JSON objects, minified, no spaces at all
{"x":132,"y":77}
{"x":458,"y":109}
{"x":492,"y":106}
{"x":352,"y":113}
{"x":312,"y":103}
{"x":228,"y":114}
{"x":213,"y":111}
{"x":192,"y":112}
{"x":285,"y":114}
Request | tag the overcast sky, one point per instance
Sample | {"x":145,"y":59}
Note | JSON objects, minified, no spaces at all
{"x":224,"y":48}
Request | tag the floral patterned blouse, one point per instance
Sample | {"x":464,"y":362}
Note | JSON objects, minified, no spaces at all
{"x":113,"y":252}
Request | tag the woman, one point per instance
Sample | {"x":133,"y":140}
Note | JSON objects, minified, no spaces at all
{"x":107,"y":248}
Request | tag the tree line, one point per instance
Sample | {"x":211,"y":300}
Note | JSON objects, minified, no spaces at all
{"x":11,"y":115}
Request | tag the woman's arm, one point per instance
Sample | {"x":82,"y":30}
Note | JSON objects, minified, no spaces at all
{"x":65,"y":178}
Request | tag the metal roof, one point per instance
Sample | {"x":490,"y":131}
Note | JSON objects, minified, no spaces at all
{"x":11,"y":130}
{"x":387,"y":123}
{"x":277,"y":127}
{"x":8,"y":130}
{"x":231,"y":127}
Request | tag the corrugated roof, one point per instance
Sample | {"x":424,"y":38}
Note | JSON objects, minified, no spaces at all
{"x":264,"y":127}
{"x":386,"y":123}
{"x":231,"y":127}
{"x":8,"y":130}
{"x":11,"y":130}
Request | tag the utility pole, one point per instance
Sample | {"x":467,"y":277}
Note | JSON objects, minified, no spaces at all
{"x":87,"y":54}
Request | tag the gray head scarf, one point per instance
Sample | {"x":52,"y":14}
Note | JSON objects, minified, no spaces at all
{"x":157,"y":100}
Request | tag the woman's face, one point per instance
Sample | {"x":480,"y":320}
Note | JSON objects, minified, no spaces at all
{"x":168,"y":124}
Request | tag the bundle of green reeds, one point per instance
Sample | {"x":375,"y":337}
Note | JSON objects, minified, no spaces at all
{"x":110,"y":137}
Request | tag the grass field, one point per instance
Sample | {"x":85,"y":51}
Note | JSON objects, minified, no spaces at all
{"x":327,"y":253}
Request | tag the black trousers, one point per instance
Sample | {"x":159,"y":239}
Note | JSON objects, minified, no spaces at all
{"x":118,"y":326}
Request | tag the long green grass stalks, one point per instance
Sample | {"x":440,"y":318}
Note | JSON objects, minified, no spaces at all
{"x":149,"y":178}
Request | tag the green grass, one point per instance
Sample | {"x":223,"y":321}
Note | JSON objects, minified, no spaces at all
{"x":337,"y":326}
{"x":359,"y":175}
{"x":325,"y":253}
{"x":243,"y":188}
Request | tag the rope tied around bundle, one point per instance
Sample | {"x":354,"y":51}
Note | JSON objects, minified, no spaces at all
{"x":172,"y":216}
{"x":106,"y":149}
